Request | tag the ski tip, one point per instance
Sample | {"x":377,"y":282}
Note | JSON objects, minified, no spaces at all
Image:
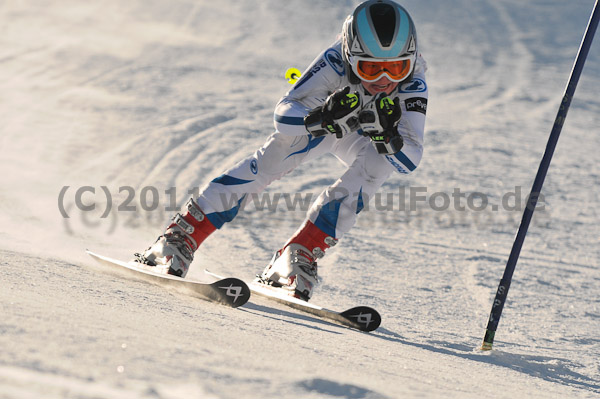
{"x":213,"y":275}
{"x":365,"y":318}
{"x":232,"y":291}
{"x":92,"y":254}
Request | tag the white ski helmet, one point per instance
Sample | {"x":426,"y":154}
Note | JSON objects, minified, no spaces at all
{"x":379,"y":31}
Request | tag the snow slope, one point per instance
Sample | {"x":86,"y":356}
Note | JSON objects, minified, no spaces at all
{"x":132,"y":97}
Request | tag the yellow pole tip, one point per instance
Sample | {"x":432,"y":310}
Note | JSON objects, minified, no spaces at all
{"x":292,"y":75}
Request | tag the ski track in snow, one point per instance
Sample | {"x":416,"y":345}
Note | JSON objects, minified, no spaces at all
{"x":170,"y":94}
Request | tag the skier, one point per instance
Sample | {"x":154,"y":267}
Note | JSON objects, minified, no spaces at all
{"x":364,"y":100}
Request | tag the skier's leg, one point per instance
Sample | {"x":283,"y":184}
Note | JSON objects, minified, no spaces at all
{"x":222,"y":198}
{"x":334,"y":213}
{"x":220,"y":201}
{"x":336,"y":209}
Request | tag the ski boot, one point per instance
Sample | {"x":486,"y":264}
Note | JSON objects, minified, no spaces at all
{"x":173,"y":252}
{"x":294,"y":267}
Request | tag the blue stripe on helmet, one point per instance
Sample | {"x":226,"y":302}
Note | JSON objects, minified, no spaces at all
{"x":403,"y":31}
{"x":372,"y":43}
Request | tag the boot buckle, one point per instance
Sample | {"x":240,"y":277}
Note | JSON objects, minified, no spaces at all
{"x":185,"y":226}
{"x":194,"y":210}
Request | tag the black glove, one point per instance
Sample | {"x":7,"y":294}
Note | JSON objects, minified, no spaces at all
{"x":338,"y":115}
{"x":380,"y":123}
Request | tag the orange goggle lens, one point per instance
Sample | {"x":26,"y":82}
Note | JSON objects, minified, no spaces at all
{"x":372,"y":70}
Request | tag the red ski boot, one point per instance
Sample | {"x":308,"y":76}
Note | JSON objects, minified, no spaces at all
{"x":173,"y":252}
{"x":294,"y":267}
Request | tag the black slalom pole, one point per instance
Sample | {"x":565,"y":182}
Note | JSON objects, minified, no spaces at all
{"x":502,"y":292}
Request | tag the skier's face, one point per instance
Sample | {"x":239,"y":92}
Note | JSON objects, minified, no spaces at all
{"x":382,"y":85}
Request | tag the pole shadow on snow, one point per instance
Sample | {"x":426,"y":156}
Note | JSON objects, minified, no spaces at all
{"x":551,"y":369}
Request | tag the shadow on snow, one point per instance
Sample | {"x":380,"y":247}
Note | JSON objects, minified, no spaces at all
{"x":551,"y":369}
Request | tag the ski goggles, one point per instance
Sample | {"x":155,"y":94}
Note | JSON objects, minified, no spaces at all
{"x":396,"y":69}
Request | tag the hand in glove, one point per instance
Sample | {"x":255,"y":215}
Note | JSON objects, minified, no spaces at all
{"x":380,"y":123}
{"x":338,"y":115}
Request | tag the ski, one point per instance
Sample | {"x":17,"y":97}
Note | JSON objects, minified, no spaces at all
{"x":362,"y":318}
{"x":227,"y":291}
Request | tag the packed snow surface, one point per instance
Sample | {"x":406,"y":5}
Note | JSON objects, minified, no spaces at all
{"x":113,"y":112}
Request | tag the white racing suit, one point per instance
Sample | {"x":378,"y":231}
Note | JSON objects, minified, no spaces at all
{"x":335,"y":210}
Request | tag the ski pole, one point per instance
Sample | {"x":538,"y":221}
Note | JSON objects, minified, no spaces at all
{"x":505,"y":282}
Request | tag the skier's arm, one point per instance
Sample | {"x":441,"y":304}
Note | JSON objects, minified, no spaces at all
{"x":318,"y":81}
{"x":289,"y":117}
